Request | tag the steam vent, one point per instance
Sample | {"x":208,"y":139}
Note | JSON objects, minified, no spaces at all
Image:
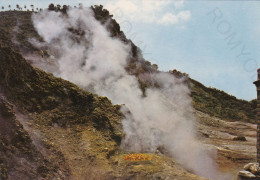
{"x":252,"y":170}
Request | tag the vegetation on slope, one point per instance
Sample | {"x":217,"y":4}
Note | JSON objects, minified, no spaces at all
{"x":209,"y":100}
{"x":36,"y":91}
{"x":19,"y":157}
{"x":220,"y":104}
{"x":78,"y":133}
{"x":16,"y":29}
{"x":49,"y":102}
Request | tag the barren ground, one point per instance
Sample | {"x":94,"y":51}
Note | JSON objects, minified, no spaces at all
{"x":218,"y":135}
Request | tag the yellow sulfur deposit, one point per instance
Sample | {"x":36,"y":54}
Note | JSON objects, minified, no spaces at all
{"x":137,"y":157}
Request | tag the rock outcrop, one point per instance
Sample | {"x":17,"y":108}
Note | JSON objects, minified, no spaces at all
{"x":251,"y":172}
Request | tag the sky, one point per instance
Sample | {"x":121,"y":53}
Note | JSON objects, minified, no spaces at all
{"x":215,"y":42}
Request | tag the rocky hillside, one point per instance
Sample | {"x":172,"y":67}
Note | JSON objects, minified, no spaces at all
{"x":220,"y":104}
{"x":52,"y":129}
{"x":16,"y":29}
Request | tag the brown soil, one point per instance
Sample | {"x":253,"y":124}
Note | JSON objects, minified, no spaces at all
{"x":218,"y":134}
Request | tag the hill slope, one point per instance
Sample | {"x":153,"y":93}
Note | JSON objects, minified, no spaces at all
{"x":17,"y":29}
{"x":220,"y":104}
{"x":52,"y":129}
{"x":67,"y":132}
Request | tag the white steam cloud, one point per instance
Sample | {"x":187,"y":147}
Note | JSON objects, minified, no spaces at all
{"x":83,"y":52}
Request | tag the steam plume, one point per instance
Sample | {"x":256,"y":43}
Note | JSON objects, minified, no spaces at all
{"x":83,"y":52}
